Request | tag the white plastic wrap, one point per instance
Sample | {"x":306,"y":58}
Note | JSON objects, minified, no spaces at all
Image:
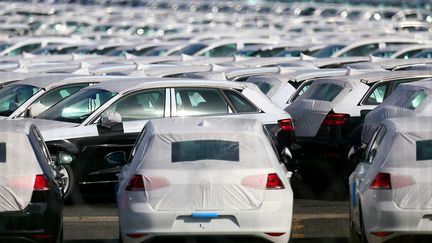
{"x":411,"y":176}
{"x":308,"y":114}
{"x":203,"y":184}
{"x":398,"y":104}
{"x":17,"y":172}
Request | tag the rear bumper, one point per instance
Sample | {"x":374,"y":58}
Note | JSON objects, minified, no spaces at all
{"x":271,"y":217}
{"x":36,"y":223}
{"x":388,"y":217}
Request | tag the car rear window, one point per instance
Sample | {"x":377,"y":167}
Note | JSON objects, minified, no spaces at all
{"x":424,"y":150}
{"x":2,"y":152}
{"x":415,"y":100}
{"x":204,"y":150}
{"x":326,"y":92}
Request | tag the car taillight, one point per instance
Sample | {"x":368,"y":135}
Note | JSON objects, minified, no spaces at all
{"x":381,"y":182}
{"x":136,"y":236}
{"x":41,"y":183}
{"x":255,"y":181}
{"x":286,"y":124}
{"x":153,"y":183}
{"x":382,"y":234}
{"x":274,"y":182}
{"x":333,"y":119}
{"x":136,"y":184}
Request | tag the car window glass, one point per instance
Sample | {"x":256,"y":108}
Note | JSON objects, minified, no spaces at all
{"x":26,"y":48}
{"x":361,"y":50}
{"x":424,"y":150}
{"x":373,"y":146}
{"x":221,"y":51}
{"x":76,"y":108}
{"x":199,"y":101}
{"x":415,"y":100}
{"x":141,"y":105}
{"x":326,"y":92}
{"x":377,"y":95}
{"x":13,"y":96}
{"x":205,"y":150}
{"x":301,"y":90}
{"x":53,"y":96}
{"x":240,"y":103}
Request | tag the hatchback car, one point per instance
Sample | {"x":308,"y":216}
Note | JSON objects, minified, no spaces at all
{"x":390,"y":192}
{"x":30,"y":199}
{"x":196,"y":176}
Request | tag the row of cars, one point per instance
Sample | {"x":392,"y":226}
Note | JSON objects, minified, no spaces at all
{"x":197,"y":118}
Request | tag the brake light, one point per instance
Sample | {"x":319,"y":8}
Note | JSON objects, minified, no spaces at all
{"x":333,"y":119}
{"x":135,"y":236}
{"x":41,"y":236}
{"x":153,"y":183}
{"x":286,"y":124}
{"x":381,"y":182}
{"x":381,"y":234}
{"x":41,"y":183}
{"x":399,"y":181}
{"x":275,"y":234}
{"x":255,"y":181}
{"x":136,"y":184}
{"x":274,"y":182}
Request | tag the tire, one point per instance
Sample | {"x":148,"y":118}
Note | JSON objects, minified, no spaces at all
{"x":67,"y":184}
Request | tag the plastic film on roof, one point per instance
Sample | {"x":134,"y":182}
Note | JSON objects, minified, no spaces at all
{"x":410,"y":99}
{"x":310,"y":109}
{"x":18,"y":170}
{"x":204,"y":168}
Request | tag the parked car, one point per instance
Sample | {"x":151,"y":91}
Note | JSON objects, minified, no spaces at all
{"x":30,"y":198}
{"x":390,"y":191}
{"x":329,"y":117}
{"x":410,"y":99}
{"x":77,"y":132}
{"x":194,"y":176}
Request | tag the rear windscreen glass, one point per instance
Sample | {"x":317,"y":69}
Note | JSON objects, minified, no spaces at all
{"x":2,"y":152}
{"x":415,"y":100}
{"x":204,"y":150}
{"x":424,"y":150}
{"x":326,"y":92}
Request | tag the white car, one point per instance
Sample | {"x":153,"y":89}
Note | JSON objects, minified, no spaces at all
{"x":201,"y":176}
{"x":390,"y":192}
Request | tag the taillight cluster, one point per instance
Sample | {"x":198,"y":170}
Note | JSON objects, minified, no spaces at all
{"x":382,"y":181}
{"x":41,"y":183}
{"x":136,"y":183}
{"x":333,"y":119}
{"x":274,"y":182}
{"x":286,"y":125}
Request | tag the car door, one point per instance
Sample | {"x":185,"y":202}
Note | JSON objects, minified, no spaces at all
{"x":358,"y":184}
{"x":135,"y":108}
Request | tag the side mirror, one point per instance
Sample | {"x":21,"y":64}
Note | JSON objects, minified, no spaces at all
{"x":110,"y":118}
{"x":351,"y":153}
{"x":116,"y":158}
{"x":36,"y":109}
{"x":287,"y":153}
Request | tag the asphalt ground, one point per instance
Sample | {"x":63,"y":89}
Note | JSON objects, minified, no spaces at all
{"x":317,"y":218}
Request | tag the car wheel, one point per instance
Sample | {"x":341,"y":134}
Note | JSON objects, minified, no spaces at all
{"x":66,"y":180}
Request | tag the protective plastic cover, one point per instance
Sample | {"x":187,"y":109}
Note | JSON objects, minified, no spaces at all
{"x":203,"y":164}
{"x":18,"y":169}
{"x":309,"y":110}
{"x":406,"y":152}
{"x":409,"y":99}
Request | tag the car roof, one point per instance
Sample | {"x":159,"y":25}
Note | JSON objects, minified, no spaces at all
{"x":125,"y":85}
{"x":408,"y":124}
